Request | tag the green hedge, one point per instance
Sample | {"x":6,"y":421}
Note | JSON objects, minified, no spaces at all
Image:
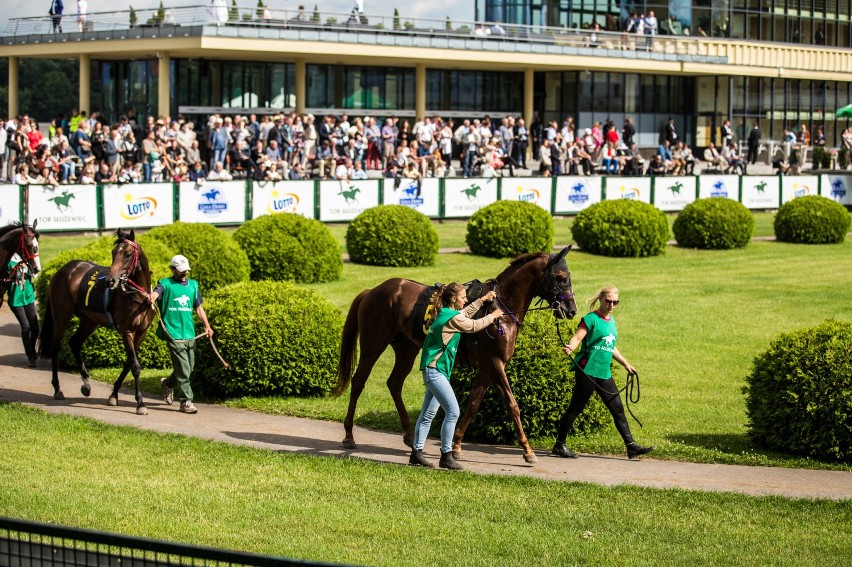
{"x":542,"y":384}
{"x":290,"y":247}
{"x":812,"y":220}
{"x":621,"y":228}
{"x":215,"y":259}
{"x":716,"y":223}
{"x":506,"y":229}
{"x":799,"y":393}
{"x":280,"y":340}
{"x":392,"y":235}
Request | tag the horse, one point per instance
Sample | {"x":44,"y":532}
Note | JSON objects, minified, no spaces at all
{"x":129,"y":277}
{"x":21,"y":239}
{"x":384,"y":315}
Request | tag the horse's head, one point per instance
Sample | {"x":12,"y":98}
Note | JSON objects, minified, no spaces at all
{"x":556,"y":286}
{"x":28,"y":249}
{"x":125,"y":257}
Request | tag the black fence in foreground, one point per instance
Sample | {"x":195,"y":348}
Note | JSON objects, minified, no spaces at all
{"x":32,"y":544}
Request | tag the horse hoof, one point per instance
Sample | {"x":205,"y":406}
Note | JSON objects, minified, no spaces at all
{"x":457,"y":453}
{"x":141,"y":410}
{"x":58,"y":396}
{"x":85,"y":390}
{"x":531,"y":458}
{"x":349,"y":444}
{"x":113,"y":401}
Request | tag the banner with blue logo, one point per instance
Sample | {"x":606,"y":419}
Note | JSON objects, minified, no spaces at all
{"x":633,"y":188}
{"x":673,"y":193}
{"x":719,"y":186}
{"x":135,"y":205}
{"x":344,"y":200}
{"x":10,"y":204}
{"x":834,"y":186}
{"x":273,"y":197}
{"x":795,"y":186}
{"x":535,"y":190}
{"x":67,"y":207}
{"x":761,"y":191}
{"x":573,"y":194}
{"x":213,"y":202}
{"x":463,"y":197}
{"x":423,"y":195}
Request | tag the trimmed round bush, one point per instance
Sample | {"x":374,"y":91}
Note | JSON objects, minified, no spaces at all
{"x":290,"y":247}
{"x":799,"y":393}
{"x":812,"y":220}
{"x":541,"y":381}
{"x":506,"y":229}
{"x":215,"y":259}
{"x":280,"y":340}
{"x":621,"y":228}
{"x":717,"y":223}
{"x":392,"y":235}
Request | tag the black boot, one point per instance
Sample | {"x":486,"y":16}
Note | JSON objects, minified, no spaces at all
{"x":560,"y":450}
{"x":417,"y":459}
{"x":448,"y":462}
{"x":634,"y":450}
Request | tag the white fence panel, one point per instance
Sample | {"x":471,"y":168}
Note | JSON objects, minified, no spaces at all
{"x":795,"y":186}
{"x":135,"y":205}
{"x":214,"y":202}
{"x":67,"y":207}
{"x":719,"y":186}
{"x":573,"y":194}
{"x":274,"y":197}
{"x":673,"y":193}
{"x":634,"y":188}
{"x":463,"y":197}
{"x":535,"y":190}
{"x":10,"y":204}
{"x":761,"y":192}
{"x":425,"y":198}
{"x":838,"y":187}
{"x":345,"y":200}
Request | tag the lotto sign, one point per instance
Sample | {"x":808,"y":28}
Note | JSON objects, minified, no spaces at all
{"x":463,"y":197}
{"x":67,"y":207}
{"x":632,"y":188}
{"x":345,"y":200}
{"x":535,"y":190}
{"x":423,"y":196}
{"x":137,"y":205}
{"x":673,"y":193}
{"x":573,"y":194}
{"x":760,"y":192}
{"x":835,"y":187}
{"x":719,"y":186}
{"x":10,"y":204}
{"x":274,"y":197}
{"x":795,"y":186}
{"x":214,"y":202}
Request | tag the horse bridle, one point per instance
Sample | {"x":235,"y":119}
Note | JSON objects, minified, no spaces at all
{"x":28,"y":258}
{"x":124,"y":279}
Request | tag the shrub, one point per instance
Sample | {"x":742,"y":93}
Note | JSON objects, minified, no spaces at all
{"x":392,"y":235}
{"x":216,"y":260}
{"x":541,"y":381}
{"x":507,"y":229}
{"x":290,"y":247}
{"x":279,"y":339}
{"x":621,"y":228}
{"x":716,"y":223}
{"x":799,"y":394}
{"x":812,"y":220}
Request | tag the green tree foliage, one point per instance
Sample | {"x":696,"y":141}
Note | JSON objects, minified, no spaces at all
{"x":392,"y":235}
{"x":396,"y":25}
{"x":509,"y":228}
{"x":716,"y":223}
{"x":622,"y":228}
{"x":812,"y":220}
{"x":47,"y":87}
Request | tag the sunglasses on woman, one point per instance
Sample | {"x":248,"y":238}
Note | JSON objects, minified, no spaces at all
{"x":611,"y":301}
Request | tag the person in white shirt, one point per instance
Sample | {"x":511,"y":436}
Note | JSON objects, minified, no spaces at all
{"x":219,"y":173}
{"x":82,"y":8}
{"x":358,"y":171}
{"x":344,"y":170}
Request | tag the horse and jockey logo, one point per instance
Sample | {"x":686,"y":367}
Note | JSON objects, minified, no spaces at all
{"x":610,"y":339}
{"x":675,"y":189}
{"x":183,"y":301}
{"x":719,"y":189}
{"x":62,"y":201}
{"x":212,"y":202}
{"x":349,"y":194}
{"x":761,"y":187}
{"x":471,"y":191}
{"x":838,"y":189}
{"x":578,"y":193}
{"x":410,"y":196}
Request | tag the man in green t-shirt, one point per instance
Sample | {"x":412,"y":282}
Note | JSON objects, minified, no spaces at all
{"x":177,"y":297}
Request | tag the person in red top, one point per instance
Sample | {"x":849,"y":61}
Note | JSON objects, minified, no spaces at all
{"x":34,"y":136}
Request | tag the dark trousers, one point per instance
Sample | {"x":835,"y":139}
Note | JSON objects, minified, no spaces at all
{"x":752,"y":154}
{"x":57,"y":23}
{"x":608,"y":392}
{"x":28,"y":319}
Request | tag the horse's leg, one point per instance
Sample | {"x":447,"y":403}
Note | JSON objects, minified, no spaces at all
{"x":406,"y":354}
{"x":60,"y":324}
{"x":504,"y":390}
{"x":113,"y":398}
{"x":130,"y":344}
{"x":86,"y":328}
{"x":477,"y":392}
{"x":370,"y":353}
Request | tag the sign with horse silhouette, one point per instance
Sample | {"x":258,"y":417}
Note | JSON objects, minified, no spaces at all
{"x":67,"y":207}
{"x":673,"y":193}
{"x":573,"y":194}
{"x":795,"y":186}
{"x":761,"y":192}
{"x":274,"y":197}
{"x":213,"y":202}
{"x":345,"y":200}
{"x":10,"y":204}
{"x":463,"y":197}
{"x":136,"y":205}
{"x":632,"y":188}
{"x":535,"y":190}
{"x":423,"y":195}
{"x":719,"y":186}
{"x":837,"y":187}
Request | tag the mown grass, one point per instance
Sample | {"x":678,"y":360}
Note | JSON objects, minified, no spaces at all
{"x":79,"y":472}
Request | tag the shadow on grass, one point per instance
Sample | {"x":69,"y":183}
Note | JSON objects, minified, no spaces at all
{"x":728,"y":443}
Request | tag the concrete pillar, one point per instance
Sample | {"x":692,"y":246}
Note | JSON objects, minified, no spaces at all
{"x":420,"y":91}
{"x":164,"y":83}
{"x":85,"y":83}
{"x":301,"y":86}
{"x":529,"y":95}
{"x":14,"y":89}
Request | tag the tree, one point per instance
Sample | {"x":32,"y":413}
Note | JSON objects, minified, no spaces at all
{"x":449,"y":25}
{"x":233,"y":12}
{"x":133,"y":17}
{"x":315,"y":17}
{"x":396,"y":24}
{"x":259,"y":11}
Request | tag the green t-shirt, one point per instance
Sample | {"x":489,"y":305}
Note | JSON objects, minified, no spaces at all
{"x":434,"y":344}
{"x":176,"y":306}
{"x":21,"y":291}
{"x":598,"y":345}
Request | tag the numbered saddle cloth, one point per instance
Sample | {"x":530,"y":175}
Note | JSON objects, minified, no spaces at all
{"x":94,"y":295}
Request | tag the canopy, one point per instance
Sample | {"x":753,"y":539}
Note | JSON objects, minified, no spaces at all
{"x":845,"y":112}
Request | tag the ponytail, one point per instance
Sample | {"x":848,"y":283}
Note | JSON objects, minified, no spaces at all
{"x":443,"y":297}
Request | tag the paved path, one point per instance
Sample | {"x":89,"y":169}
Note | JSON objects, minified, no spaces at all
{"x":32,"y":387}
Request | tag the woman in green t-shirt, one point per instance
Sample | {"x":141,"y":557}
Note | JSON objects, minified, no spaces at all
{"x":598,"y":335}
{"x":22,"y":302}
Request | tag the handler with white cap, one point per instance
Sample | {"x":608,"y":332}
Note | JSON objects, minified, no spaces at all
{"x":176,"y":298}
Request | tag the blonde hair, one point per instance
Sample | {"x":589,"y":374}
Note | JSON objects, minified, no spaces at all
{"x":604,"y":291}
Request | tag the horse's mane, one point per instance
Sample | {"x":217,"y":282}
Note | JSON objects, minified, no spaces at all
{"x":9,"y":228}
{"x":522,"y":260}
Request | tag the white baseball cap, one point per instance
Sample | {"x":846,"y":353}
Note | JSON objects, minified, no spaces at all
{"x":180,"y":263}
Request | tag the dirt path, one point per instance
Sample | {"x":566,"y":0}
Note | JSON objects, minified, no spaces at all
{"x":32,"y":387}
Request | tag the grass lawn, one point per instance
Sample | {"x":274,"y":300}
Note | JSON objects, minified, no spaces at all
{"x":79,"y":472}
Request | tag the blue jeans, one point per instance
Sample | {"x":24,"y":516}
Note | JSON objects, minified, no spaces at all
{"x":438,"y":392}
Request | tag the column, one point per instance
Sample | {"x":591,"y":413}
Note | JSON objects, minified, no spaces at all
{"x":529,"y":95}
{"x":301,"y":87}
{"x":164,"y":83}
{"x":85,"y":83}
{"x":420,"y":91}
{"x":13,"y":89}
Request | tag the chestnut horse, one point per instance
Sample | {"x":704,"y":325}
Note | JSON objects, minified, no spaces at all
{"x":129,"y":277}
{"x":21,"y":239}
{"x":384,"y":315}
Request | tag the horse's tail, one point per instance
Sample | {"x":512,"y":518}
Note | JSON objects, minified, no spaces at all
{"x":348,"y":346}
{"x":44,"y":346}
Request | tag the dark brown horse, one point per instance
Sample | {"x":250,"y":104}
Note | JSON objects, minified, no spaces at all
{"x":20,"y":239}
{"x":385,"y":316}
{"x":129,"y":277}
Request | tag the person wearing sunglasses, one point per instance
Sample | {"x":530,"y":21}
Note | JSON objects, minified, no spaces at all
{"x":598,"y":336}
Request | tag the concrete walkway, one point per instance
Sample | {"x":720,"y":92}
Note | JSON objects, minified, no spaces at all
{"x":32,"y":387}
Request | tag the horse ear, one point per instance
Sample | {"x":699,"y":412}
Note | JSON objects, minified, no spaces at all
{"x":35,"y":224}
{"x":119,"y":234}
{"x":132,"y":236}
{"x":563,"y":252}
